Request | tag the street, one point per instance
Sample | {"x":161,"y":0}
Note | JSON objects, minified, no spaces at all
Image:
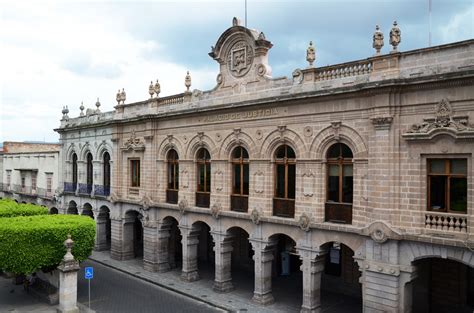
{"x":114,"y":291}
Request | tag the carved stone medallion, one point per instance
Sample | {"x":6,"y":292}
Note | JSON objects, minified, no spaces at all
{"x":255,"y":216}
{"x":183,"y":205}
{"x":240,"y":58}
{"x":304,"y":222}
{"x":216,"y":210}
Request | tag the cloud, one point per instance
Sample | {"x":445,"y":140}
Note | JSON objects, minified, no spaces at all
{"x":460,"y":26}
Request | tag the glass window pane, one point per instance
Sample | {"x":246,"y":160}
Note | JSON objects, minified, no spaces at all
{"x":334,"y":151}
{"x":201,"y":177}
{"x":208,"y":178}
{"x":176,"y":179}
{"x":170,"y":176}
{"x":347,"y":184}
{"x":438,"y":192}
{"x":280,"y":181}
{"x":237,"y":153}
{"x":333,"y":183}
{"x":280,"y":154}
{"x":459,"y":166}
{"x":245,"y":154}
{"x":246,"y":179}
{"x":290,"y":154}
{"x":236,"y":187}
{"x":346,"y":151}
{"x":437,"y":166}
{"x":458,"y":194}
{"x":291,"y":181}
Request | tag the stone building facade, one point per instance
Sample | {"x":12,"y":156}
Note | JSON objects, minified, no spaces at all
{"x":30,"y":173}
{"x":355,"y":177}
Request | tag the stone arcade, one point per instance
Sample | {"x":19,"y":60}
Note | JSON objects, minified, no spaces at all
{"x":355,"y":178}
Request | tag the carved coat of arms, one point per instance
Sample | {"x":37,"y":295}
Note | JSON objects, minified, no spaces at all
{"x":240,"y":58}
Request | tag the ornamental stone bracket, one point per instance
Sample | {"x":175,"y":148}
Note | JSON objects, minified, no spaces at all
{"x":380,"y":232}
{"x":255,"y":216}
{"x":382,"y":122}
{"x":133,"y":143}
{"x":183,"y":206}
{"x":304,"y":222}
{"x":444,"y":123}
{"x":216,"y":209}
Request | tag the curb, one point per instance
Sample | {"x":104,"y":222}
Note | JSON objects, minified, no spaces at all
{"x":164,"y":286}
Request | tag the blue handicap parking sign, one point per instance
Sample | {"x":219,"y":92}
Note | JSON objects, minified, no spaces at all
{"x":89,"y":272}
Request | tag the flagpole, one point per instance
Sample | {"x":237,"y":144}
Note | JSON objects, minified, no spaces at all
{"x":245,"y":13}
{"x":429,"y":39}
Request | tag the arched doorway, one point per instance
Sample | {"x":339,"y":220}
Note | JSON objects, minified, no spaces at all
{"x":286,"y":273}
{"x":242,"y":263}
{"x":133,"y":235}
{"x":87,"y":210}
{"x":198,"y":253}
{"x":103,"y":223}
{"x":72,"y":208}
{"x":443,"y":286}
{"x":53,"y":210}
{"x":175,"y":247}
{"x":340,"y":278}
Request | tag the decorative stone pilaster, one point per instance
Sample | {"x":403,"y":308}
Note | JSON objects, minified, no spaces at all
{"x":150,"y":246}
{"x":190,"y":242}
{"x":68,"y":280}
{"x":263,"y":258}
{"x":163,"y":255}
{"x":223,"y":252}
{"x":312,"y":268}
{"x":116,"y":229}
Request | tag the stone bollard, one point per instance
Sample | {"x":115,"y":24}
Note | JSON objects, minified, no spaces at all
{"x":68,"y":280}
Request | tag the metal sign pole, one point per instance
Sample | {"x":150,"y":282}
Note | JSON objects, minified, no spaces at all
{"x":89,"y":294}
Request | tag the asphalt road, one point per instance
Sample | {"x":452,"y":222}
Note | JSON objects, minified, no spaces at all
{"x":114,"y":291}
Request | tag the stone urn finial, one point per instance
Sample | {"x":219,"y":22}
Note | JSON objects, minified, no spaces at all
{"x":82,"y":109}
{"x":377,"y":43}
{"x":187,"y":81}
{"x":68,"y":243}
{"x":118,"y":97}
{"x":395,"y":36}
{"x":123,"y":96}
{"x":97,"y":104}
{"x":157,"y":88}
{"x":151,"y":89}
{"x":310,"y":54}
{"x":65,"y":112}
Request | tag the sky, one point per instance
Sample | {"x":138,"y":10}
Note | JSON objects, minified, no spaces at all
{"x":57,"y":53}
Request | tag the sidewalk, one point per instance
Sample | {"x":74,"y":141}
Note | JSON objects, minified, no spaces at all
{"x":237,"y":300}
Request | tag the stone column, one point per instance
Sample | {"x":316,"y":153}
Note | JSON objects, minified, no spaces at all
{"x":190,"y":242}
{"x":223,"y":255}
{"x":407,"y":275}
{"x":263,"y":258}
{"x":163,"y":254}
{"x":68,"y":280}
{"x":100,"y":232}
{"x":312,"y":267}
{"x":117,"y":245}
{"x":150,"y":246}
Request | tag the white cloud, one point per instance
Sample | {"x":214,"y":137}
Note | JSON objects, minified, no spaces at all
{"x":460,"y":26}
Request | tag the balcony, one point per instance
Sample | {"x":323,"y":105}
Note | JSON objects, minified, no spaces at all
{"x":172,"y":196}
{"x":70,"y":187}
{"x":85,"y":189}
{"x":284,"y":207}
{"x":101,"y":191}
{"x":446,"y":222}
{"x":336,"y":212}
{"x":239,"y":203}
{"x":203,"y":199}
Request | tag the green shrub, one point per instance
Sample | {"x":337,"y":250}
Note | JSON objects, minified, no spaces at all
{"x":9,"y":208}
{"x":30,"y":243}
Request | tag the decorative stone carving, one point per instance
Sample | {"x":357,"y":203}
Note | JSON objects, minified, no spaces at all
{"x":65,"y":112}
{"x":113,"y":198}
{"x":151,"y":89}
{"x":216,"y":209}
{"x":123,"y":96}
{"x":97,"y":105}
{"x":183,"y":206}
{"x":235,"y":22}
{"x":240,"y":58}
{"x":187,"y":81}
{"x":261,"y":70}
{"x":219,"y":180}
{"x":308,"y":131}
{"x":377,"y":40}
{"x":444,"y":123}
{"x":82,"y":109}
{"x":146,"y":202}
{"x":259,"y":182}
{"x":133,"y":143}
{"x":118,"y":97}
{"x":297,"y":76}
{"x":219,"y":79}
{"x":236,"y":132}
{"x":380,"y":232}
{"x":259,"y":134}
{"x":395,"y":36}
{"x":218,"y":137}
{"x":336,"y":125}
{"x":310,"y":54}
{"x":281,"y":129}
{"x":382,"y":122}
{"x":255,"y":216}
{"x":304,"y":222}
{"x":157,"y":88}
{"x":261,"y":36}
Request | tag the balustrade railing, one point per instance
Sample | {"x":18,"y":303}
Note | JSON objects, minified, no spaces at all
{"x":70,"y":187}
{"x":343,"y":70}
{"x":101,"y":191}
{"x":174,"y":99}
{"x":449,"y":222}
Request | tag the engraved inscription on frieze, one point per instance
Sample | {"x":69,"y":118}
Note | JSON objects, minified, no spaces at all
{"x":244,"y":115}
{"x":240,"y":58}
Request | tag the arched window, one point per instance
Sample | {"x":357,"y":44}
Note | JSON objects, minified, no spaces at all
{"x":74,"y":172}
{"x":240,"y":180}
{"x":89,"y":173}
{"x":173,"y":177}
{"x":106,"y":174}
{"x":203,"y":171}
{"x":285,"y":182}
{"x":339,"y":184}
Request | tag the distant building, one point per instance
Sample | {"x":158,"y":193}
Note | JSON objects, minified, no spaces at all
{"x":355,"y":178}
{"x":30,"y":172}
